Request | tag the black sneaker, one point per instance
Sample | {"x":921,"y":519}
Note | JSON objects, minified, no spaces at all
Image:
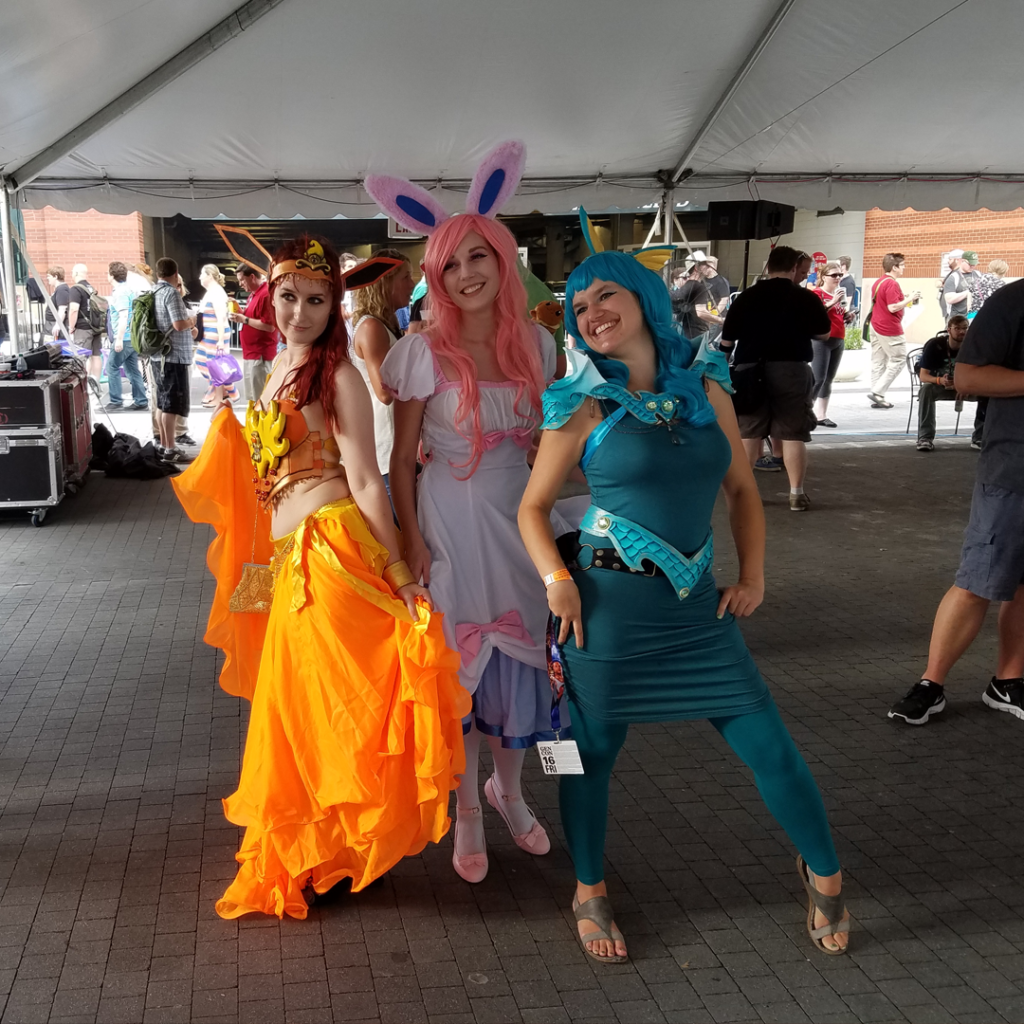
{"x":924,"y":700}
{"x":186,"y":439}
{"x":1005,"y":695}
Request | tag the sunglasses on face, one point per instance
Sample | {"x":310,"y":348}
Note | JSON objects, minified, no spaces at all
{"x":833,"y":275}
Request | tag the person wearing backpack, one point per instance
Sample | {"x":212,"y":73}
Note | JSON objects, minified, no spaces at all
{"x":173,"y":387}
{"x":122,"y":352}
{"x":86,"y":317}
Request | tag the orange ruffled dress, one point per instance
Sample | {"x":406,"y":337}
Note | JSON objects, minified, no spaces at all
{"x":355,"y":734}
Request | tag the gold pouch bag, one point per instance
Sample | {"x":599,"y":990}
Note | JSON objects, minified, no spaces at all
{"x":255,"y":590}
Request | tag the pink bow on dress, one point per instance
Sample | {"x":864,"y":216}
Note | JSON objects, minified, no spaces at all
{"x":469,"y":635}
{"x":523,"y":437}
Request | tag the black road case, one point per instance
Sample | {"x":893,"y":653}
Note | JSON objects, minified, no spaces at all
{"x":31,"y":469}
{"x":30,"y":403}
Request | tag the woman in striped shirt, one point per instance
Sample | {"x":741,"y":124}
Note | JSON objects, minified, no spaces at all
{"x":216,"y":337}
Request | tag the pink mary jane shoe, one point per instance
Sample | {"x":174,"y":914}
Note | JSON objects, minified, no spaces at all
{"x":471,"y":866}
{"x":536,"y":840}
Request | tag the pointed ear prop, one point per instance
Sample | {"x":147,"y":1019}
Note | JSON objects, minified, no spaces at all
{"x":654,"y":257}
{"x":369,"y":272}
{"x":413,"y":207}
{"x":589,"y":234}
{"x":253,"y":248}
{"x":497,"y":178}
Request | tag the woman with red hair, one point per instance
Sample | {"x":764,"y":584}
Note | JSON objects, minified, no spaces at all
{"x":468,"y":397}
{"x":354,"y":738}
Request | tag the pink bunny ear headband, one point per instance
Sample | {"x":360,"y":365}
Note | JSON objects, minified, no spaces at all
{"x":494,"y":183}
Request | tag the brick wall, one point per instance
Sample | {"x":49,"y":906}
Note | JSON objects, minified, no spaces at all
{"x":95,"y":239}
{"x":924,"y":236}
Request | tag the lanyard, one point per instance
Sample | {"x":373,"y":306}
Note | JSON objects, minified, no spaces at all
{"x":556,"y":672}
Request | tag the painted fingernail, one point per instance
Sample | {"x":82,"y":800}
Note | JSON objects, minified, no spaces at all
{"x":720,"y":614}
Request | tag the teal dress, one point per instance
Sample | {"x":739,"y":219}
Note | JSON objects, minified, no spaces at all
{"x":648,"y":655}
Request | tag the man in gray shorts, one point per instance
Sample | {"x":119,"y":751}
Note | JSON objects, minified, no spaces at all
{"x":771,"y":325}
{"x":990,"y":364}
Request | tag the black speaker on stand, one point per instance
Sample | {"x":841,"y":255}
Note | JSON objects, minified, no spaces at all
{"x":745,"y":219}
{"x":749,"y":218}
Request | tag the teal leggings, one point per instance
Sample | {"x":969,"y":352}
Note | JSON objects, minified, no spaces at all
{"x":760,"y":740}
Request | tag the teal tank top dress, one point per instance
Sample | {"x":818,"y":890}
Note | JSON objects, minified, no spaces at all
{"x":649,"y":655}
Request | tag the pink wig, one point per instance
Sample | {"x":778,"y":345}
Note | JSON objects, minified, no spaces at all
{"x":516,"y":341}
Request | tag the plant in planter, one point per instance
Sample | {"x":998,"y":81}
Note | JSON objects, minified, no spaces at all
{"x":856,"y":358}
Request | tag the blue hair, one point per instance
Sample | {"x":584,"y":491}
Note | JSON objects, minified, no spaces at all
{"x":675,"y":352}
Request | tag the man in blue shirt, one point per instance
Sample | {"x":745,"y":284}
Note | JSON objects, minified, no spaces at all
{"x":122,"y":352}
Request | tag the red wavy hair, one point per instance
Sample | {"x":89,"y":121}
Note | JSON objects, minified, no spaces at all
{"x":313,"y":380}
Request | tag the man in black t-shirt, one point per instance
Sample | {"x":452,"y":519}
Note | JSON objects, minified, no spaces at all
{"x":771,"y":325}
{"x":59,"y":296}
{"x":78,"y":319}
{"x":935,"y":370}
{"x":990,"y":363}
{"x":693,"y":303}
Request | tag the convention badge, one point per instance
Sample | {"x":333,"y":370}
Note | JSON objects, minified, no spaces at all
{"x":557,"y":756}
{"x":560,"y":757}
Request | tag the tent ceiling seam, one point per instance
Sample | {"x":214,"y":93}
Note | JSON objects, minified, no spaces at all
{"x":209,"y":42}
{"x":878,"y":56}
{"x":730,"y":90}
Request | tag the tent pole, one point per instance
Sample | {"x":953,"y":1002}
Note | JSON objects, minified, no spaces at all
{"x":730,"y":90}
{"x":233,"y":25}
{"x":10,"y":295}
{"x":668,"y":203}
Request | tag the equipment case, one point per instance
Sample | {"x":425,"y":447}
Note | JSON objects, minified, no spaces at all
{"x":30,"y":403}
{"x":31,"y":469}
{"x":76,"y":425}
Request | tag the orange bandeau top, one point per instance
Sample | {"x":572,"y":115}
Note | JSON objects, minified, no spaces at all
{"x":284,"y":450}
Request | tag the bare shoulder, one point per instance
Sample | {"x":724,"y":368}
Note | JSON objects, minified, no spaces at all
{"x":370,"y":332}
{"x":346,"y":377}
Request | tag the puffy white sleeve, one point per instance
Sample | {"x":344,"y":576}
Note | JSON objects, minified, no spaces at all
{"x":548,"y":352}
{"x":408,"y":369}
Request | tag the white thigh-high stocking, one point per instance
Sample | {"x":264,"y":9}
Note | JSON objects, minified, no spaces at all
{"x":470,"y":833}
{"x":508,"y":770}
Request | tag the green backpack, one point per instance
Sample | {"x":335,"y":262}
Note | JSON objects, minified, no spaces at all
{"x":147,"y":339}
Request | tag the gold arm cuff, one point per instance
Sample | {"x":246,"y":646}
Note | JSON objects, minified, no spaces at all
{"x":398,"y":574}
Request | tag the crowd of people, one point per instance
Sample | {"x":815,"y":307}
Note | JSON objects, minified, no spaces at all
{"x":379,"y":660}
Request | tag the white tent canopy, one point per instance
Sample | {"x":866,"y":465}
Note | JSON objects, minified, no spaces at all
{"x":889,"y":103}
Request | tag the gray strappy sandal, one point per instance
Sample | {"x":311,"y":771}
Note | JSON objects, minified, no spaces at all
{"x":599,"y":910}
{"x":833,"y":907}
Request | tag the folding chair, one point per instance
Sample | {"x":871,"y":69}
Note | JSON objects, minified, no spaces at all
{"x":913,"y":366}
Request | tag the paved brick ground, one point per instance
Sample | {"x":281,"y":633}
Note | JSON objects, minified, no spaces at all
{"x":116,"y":747}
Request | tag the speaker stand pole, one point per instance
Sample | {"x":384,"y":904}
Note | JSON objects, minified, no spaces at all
{"x":746,"y":260}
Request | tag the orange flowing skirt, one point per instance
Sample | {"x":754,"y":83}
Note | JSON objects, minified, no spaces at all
{"x":355,"y":735}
